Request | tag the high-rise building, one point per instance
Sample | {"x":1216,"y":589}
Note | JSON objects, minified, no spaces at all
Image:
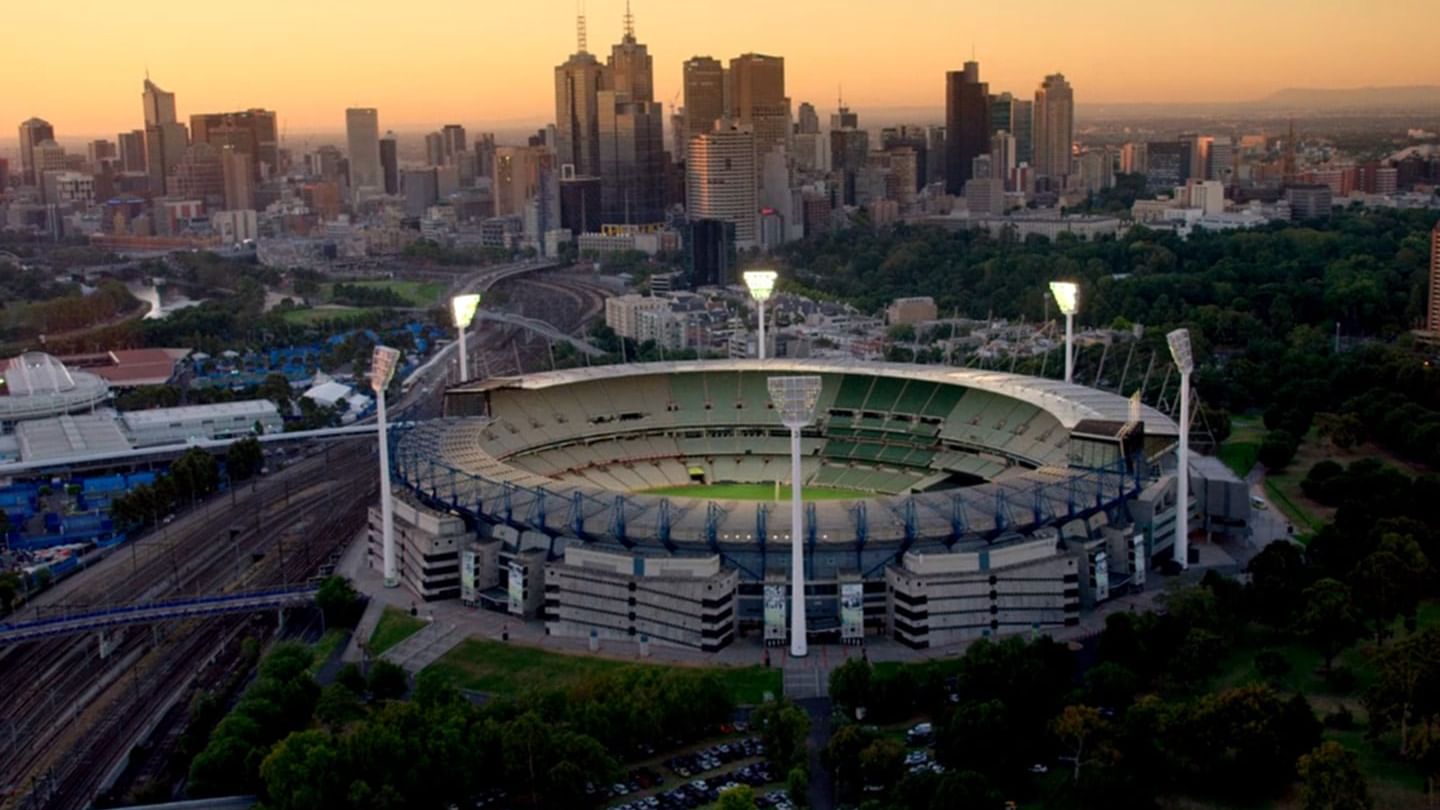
{"x":1022,"y":126}
{"x":720,"y":179}
{"x":757,"y":99}
{"x":452,"y":139}
{"x":704,"y":87}
{"x":4,"y":174}
{"x":362,"y":137}
{"x":253,"y":132}
{"x":199,"y":175}
{"x":1134,"y":158}
{"x":1054,"y":127}
{"x":485,"y":154}
{"x":967,"y":124}
{"x":807,"y":122}
{"x":421,"y":189}
{"x":1432,"y":319}
{"x":843,"y":118}
{"x":132,"y":150}
{"x":1001,"y":108}
{"x":917,"y":140}
{"x":632,"y":141}
{"x":238,"y":177}
{"x":578,"y":82}
{"x":579,"y":203}
{"x":434,"y":149}
{"x":849,"y":148}
{"x":390,"y":163}
{"x":521,"y":173}
{"x":1309,"y":201}
{"x":165,"y":137}
{"x":630,"y":66}
{"x":97,"y":152}
{"x":48,"y":156}
{"x":32,"y":132}
{"x":1167,"y":164}
{"x":1002,"y":155}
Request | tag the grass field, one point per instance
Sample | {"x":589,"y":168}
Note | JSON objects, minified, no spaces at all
{"x":395,"y":626}
{"x":418,"y":293}
{"x":309,"y":316}
{"x":501,"y":668}
{"x":1241,"y":450}
{"x":755,"y":492}
{"x":325,"y":647}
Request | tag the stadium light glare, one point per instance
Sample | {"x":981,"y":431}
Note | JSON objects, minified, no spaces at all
{"x":1067,"y":297}
{"x":463,"y":308}
{"x":382,"y":369}
{"x":1179,"y":341}
{"x":761,"y":284}
{"x":795,"y":399}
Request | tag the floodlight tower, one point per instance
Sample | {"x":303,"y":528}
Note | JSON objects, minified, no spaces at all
{"x":382,"y":368}
{"x":761,"y":284}
{"x":795,"y":398}
{"x":1067,"y":296}
{"x":463,"y":308}
{"x":1185,"y":361}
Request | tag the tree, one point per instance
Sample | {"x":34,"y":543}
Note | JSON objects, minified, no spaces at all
{"x":304,"y":771}
{"x":388,"y":681}
{"x":850,"y":684}
{"x":797,"y":786}
{"x":1328,"y":620}
{"x":783,"y":728}
{"x":338,"y":707}
{"x":244,"y":459}
{"x":339,"y":602}
{"x":740,"y":797}
{"x":1076,"y":726}
{"x":842,"y":754}
{"x":1277,"y":575}
{"x":1331,"y":779}
{"x":1407,"y":684}
{"x":1390,"y":581}
{"x":9,"y":589}
{"x":882,"y":763}
{"x":1277,"y":449}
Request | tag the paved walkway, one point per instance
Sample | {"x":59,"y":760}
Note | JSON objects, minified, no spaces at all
{"x":425,"y":647}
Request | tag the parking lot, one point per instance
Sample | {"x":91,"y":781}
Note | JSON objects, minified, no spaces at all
{"x":696,"y":778}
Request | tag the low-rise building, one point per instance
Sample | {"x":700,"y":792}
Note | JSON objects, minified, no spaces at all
{"x":427,"y":547}
{"x":222,"y":420}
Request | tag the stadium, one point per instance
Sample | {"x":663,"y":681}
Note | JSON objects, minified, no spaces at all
{"x":650,"y":502}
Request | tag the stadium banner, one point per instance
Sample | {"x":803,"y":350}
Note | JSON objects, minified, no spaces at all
{"x":774,"y":610}
{"x":852,"y":609}
{"x":467,"y":575}
{"x":1102,"y":576}
{"x":517,"y":587}
{"x":1137,"y":558}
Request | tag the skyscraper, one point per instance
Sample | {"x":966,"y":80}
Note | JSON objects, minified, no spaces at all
{"x":253,"y":132}
{"x":239,"y":178}
{"x":165,"y":137}
{"x":1054,"y":126}
{"x":1022,"y":126}
{"x":807,"y":122}
{"x":362,"y":136}
{"x":630,"y":66}
{"x":32,"y":132}
{"x":452,"y":139}
{"x":704,"y":84}
{"x":132,"y":150}
{"x":720,"y":179}
{"x":577,"y":114}
{"x":632,"y":144}
{"x":434,"y":149}
{"x":1000,"y":109}
{"x":967,"y":124}
{"x":757,"y":99}
{"x":390,"y":163}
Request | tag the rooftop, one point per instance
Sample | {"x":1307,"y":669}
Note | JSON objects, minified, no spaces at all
{"x":164,"y":416}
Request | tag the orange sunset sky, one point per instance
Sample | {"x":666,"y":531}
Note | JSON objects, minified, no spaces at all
{"x":489,"y":63}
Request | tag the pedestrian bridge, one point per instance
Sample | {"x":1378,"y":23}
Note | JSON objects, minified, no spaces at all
{"x":172,"y":610}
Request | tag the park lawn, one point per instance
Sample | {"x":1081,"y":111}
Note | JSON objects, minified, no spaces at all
{"x":507,"y":669}
{"x":306,"y":317}
{"x":417,"y":293}
{"x":395,"y":626}
{"x":755,"y":492}
{"x":325,"y":647}
{"x":1241,"y":449}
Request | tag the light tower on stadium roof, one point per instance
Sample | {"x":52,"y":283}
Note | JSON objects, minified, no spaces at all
{"x":1180,"y":350}
{"x":463,"y":308}
{"x":795,"y":399}
{"x":1067,"y":296}
{"x":382,"y":368}
{"x":761,"y":284}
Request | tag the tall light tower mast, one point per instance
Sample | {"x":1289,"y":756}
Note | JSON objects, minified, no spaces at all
{"x":382,"y":368}
{"x":463,"y":308}
{"x":1067,"y":297}
{"x":761,"y":284}
{"x":1180,"y":350}
{"x":795,"y":398}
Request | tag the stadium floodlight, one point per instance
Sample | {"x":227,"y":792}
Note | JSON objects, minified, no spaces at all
{"x":761,"y":284}
{"x":463,"y":308}
{"x":382,"y":368}
{"x":1067,"y":296}
{"x":1180,"y":350}
{"x":795,"y":398}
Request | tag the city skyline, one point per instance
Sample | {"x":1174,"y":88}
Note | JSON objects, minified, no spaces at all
{"x":428,"y":74}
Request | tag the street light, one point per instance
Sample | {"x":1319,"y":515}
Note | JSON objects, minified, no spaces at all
{"x":1067,"y":296}
{"x":795,"y":398}
{"x":463,"y":308}
{"x":382,"y":368}
{"x":1180,"y":350}
{"x":761,"y":284}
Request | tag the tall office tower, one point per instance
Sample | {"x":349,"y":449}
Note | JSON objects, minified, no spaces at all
{"x":1167,"y":164}
{"x":630,"y":65}
{"x":1432,"y":319}
{"x":48,"y":156}
{"x":720,"y":179}
{"x":1000,"y":111}
{"x":967,"y":124}
{"x":1198,"y":147}
{"x":579,"y":203}
{"x":1054,"y":126}
{"x":132,"y":150}
{"x":421,"y":188}
{"x":757,"y":99}
{"x":522,"y":176}
{"x":632,"y":160}
{"x":844,"y":119}
{"x":97,"y":152}
{"x":704,"y":84}
{"x":849,"y":149}
{"x":452,"y":136}
{"x":679,"y":134}
{"x":238,"y":176}
{"x":165,"y":137}
{"x":807,"y":122}
{"x":252,"y":131}
{"x":199,"y":175}
{"x":1002,"y":155}
{"x":390,"y":163}
{"x":939,"y":151}
{"x":1134,"y":158}
{"x":32,"y":132}
{"x":4,"y":174}
{"x":434,"y":149}
{"x":485,"y":154}
{"x":362,"y":136}
{"x":577,"y":112}
{"x":914,"y":138}
{"x":1223,"y":159}
{"x":1022,"y":126}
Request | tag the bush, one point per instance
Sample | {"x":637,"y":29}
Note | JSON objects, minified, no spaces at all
{"x":388,"y":681}
{"x":1314,"y":485}
{"x":1271,"y":665}
{"x":1277,"y":449}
